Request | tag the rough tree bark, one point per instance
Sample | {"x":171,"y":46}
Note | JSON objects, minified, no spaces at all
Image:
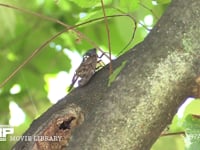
{"x":140,"y":103}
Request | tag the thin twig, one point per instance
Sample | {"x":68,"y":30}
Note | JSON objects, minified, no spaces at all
{"x":48,"y":41}
{"x":30,"y":57}
{"x":108,"y":33}
{"x":55,"y":36}
{"x":65,"y":25}
{"x":174,"y":133}
{"x":149,"y":10}
{"x":134,"y":30}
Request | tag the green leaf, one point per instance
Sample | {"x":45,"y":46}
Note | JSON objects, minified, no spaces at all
{"x":128,"y":5}
{"x":177,"y":123}
{"x":54,"y":61}
{"x":8,"y":22}
{"x":97,"y":13}
{"x":90,"y":3}
{"x":175,"y":142}
{"x":192,"y":130}
{"x":86,"y":4}
{"x":121,"y":30}
{"x":192,"y":108}
{"x":116,"y":72}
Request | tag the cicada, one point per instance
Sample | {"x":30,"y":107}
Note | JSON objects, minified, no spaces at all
{"x":87,"y":68}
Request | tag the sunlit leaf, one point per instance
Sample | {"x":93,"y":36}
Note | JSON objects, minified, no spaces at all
{"x":192,"y":130}
{"x":116,"y":72}
{"x":90,"y":3}
{"x":86,"y":4}
{"x":176,"y":125}
{"x":128,"y":5}
{"x":8,"y":22}
{"x":97,"y":14}
{"x":175,"y":142}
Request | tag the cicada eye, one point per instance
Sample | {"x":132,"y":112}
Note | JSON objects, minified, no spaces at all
{"x":85,"y":57}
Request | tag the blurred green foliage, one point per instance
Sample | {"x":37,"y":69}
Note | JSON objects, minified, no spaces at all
{"x":192,"y":130}
{"x":22,"y":33}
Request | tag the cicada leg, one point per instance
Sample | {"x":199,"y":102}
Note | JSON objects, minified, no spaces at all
{"x":74,"y":79}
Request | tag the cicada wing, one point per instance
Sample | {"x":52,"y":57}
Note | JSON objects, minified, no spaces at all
{"x":74,"y":79}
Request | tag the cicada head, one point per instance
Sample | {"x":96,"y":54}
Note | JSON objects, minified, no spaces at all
{"x":90,"y":53}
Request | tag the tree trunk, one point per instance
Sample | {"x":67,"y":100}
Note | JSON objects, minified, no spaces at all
{"x":131,"y":113}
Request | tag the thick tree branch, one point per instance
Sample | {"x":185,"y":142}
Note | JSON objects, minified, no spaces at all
{"x":132,"y":112}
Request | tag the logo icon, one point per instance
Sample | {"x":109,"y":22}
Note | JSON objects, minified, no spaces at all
{"x":4,"y":131}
